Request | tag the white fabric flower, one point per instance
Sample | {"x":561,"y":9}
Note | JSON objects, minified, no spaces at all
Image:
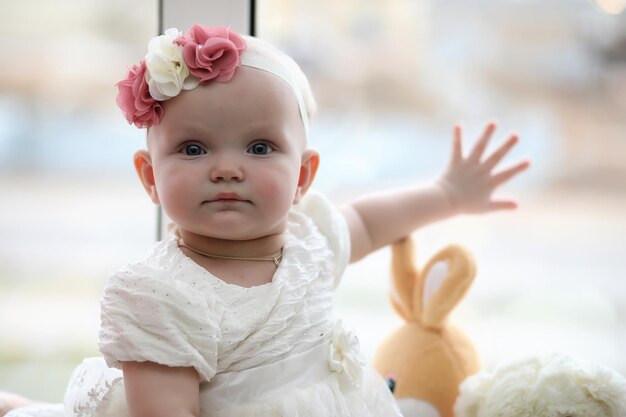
{"x":166,"y":72}
{"x":344,"y":357}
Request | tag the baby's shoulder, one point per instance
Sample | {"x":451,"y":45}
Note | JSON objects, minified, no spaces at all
{"x":163,"y":271}
{"x":160,"y":287}
{"x":150,"y":267}
{"x":318,"y":209}
{"x":325,"y":217}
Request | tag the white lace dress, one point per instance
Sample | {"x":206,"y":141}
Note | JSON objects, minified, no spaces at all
{"x":270,"y":350}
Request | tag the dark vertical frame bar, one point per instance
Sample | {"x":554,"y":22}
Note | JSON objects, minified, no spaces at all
{"x":159,"y":210}
{"x":252,"y":17}
{"x":160,"y":21}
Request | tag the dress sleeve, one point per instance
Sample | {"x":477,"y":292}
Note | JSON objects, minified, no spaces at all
{"x":146,"y":316}
{"x":333,"y":225}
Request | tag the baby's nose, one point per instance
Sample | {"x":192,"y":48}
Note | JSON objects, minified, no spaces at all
{"x":226,"y":168}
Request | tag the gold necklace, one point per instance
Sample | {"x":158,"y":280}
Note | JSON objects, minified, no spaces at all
{"x":276,"y":258}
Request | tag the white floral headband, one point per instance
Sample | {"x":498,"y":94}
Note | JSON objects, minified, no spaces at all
{"x":205,"y":54}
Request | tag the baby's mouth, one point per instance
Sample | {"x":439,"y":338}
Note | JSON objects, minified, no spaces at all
{"x":227,"y":198}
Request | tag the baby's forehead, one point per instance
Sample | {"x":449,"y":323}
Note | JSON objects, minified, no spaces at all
{"x":253,"y":102}
{"x":249,"y":80}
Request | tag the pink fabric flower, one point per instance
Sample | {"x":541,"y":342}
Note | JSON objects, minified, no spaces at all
{"x":212,"y":53}
{"x":135,"y":100}
{"x":208,"y":54}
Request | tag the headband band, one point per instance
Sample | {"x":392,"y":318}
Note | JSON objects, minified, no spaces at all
{"x":261,"y":55}
{"x":205,"y":54}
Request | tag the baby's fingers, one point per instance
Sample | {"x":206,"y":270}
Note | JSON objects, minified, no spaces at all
{"x":500,"y":153}
{"x":457,"y":146}
{"x":509,"y":173}
{"x":480,"y":146}
{"x":502,"y":205}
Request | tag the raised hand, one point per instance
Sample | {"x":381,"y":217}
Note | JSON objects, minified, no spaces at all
{"x":471,"y":181}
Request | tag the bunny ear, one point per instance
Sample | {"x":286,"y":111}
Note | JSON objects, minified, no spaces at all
{"x":404,"y":275}
{"x":447,"y":277}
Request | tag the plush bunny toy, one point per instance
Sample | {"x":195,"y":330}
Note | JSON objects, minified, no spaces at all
{"x":551,"y":385}
{"x":427,"y":358}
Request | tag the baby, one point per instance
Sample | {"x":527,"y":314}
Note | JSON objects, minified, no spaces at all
{"x":231,"y":315}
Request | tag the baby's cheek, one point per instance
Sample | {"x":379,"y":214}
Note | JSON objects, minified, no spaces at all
{"x":279,"y":193}
{"x":272,"y":192}
{"x":279,"y":184}
{"x":173,"y":191}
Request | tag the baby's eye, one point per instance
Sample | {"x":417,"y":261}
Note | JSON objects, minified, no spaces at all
{"x":260,"y":148}
{"x":193,"y":150}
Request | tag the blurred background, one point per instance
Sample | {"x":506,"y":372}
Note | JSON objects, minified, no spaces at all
{"x":391,"y":77}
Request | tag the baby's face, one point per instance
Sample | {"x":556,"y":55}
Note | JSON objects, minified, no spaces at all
{"x":227,"y":157}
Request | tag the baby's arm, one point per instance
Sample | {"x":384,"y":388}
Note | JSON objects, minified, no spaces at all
{"x":154,"y":390}
{"x":379,"y":219}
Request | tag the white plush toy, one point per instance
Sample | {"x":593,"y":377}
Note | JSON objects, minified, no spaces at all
{"x":552,"y":385}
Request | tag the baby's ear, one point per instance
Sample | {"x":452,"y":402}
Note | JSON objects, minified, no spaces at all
{"x":308,"y":169}
{"x":143,"y":166}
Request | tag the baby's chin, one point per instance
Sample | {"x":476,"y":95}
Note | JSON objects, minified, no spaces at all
{"x":241,"y":235}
